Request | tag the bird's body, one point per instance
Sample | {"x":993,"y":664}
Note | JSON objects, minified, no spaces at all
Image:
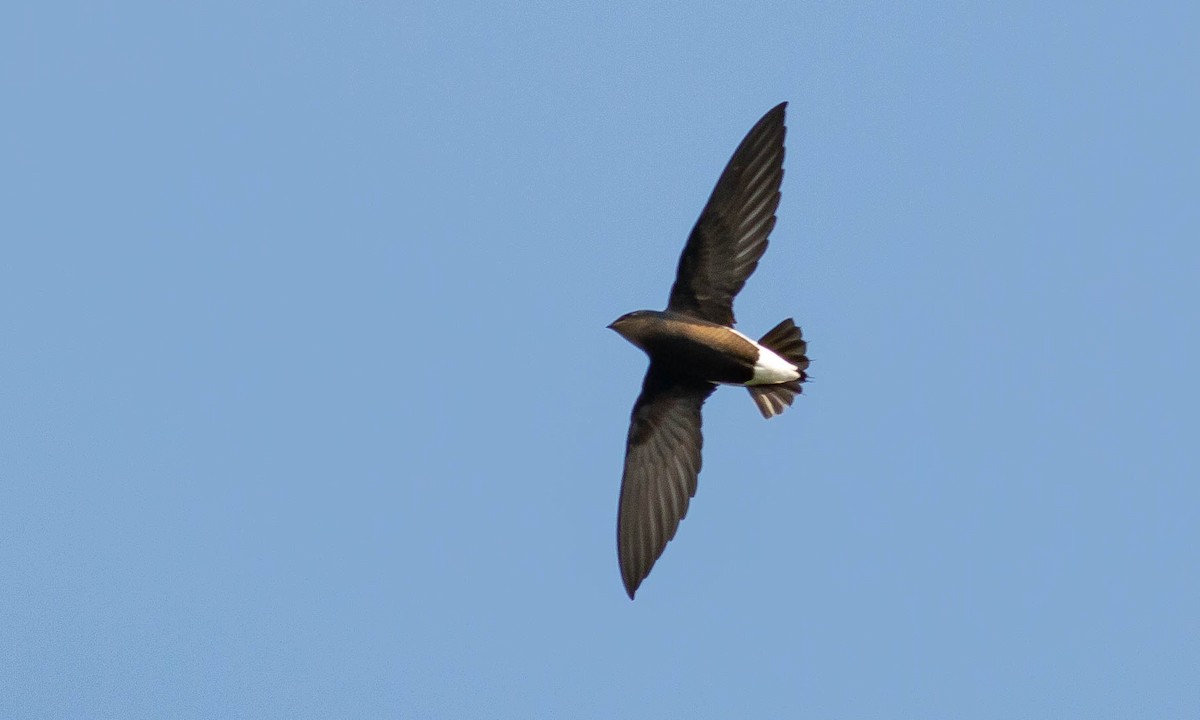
{"x":693,"y":347}
{"x":705,"y":350}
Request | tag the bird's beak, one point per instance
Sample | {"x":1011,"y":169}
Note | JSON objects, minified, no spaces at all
{"x":610,"y":325}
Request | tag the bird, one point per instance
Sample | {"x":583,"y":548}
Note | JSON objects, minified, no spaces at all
{"x":693,"y":347}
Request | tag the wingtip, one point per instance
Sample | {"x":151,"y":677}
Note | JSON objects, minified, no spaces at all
{"x":774,"y":118}
{"x":631,"y":589}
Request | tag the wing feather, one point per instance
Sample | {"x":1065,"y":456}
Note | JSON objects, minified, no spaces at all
{"x":731,"y":235}
{"x":662,"y":462}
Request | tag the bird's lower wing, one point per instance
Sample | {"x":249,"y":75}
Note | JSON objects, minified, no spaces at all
{"x":662,"y":461}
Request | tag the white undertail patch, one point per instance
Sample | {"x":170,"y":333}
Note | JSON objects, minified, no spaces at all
{"x":770,"y":368}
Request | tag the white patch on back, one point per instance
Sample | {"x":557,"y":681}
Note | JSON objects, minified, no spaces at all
{"x":770,"y":368}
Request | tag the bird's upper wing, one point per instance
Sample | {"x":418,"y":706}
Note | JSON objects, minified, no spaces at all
{"x":662,"y":460}
{"x":731,"y":234}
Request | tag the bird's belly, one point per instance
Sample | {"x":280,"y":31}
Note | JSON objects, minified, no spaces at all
{"x":706,"y":360}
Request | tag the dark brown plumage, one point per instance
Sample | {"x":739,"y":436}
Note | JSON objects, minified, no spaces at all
{"x":693,"y":347}
{"x":731,"y":234}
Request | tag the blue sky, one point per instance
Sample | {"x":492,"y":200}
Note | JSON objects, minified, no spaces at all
{"x":308,"y":408}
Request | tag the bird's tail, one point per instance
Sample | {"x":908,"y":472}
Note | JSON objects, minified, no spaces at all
{"x":786,"y":341}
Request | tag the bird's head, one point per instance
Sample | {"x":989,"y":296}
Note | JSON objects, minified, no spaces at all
{"x":634,"y":326}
